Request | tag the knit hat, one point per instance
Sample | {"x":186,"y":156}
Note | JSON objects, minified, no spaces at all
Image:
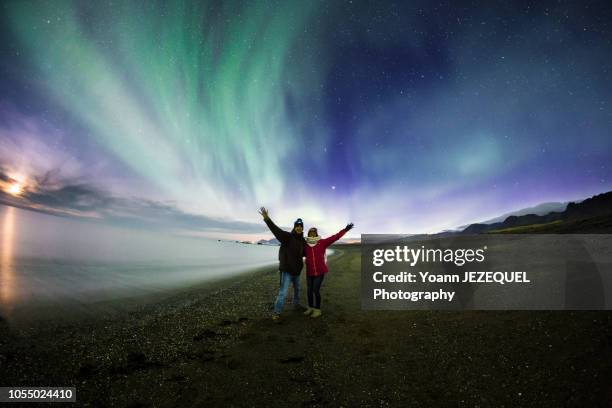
{"x":298,"y":222}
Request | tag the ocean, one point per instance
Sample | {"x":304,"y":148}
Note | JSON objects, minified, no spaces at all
{"x":57,"y":261}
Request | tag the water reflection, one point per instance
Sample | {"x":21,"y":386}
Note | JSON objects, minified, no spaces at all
{"x":7,"y":274}
{"x":51,"y":262}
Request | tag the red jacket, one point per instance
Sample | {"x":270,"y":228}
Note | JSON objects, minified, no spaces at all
{"x":315,"y":255}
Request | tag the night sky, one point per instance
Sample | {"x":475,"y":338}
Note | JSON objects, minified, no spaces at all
{"x":398,"y":116}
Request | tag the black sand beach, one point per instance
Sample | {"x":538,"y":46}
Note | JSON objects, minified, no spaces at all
{"x":217,"y":346}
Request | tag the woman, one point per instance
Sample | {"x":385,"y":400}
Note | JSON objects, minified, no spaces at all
{"x":314,"y":251}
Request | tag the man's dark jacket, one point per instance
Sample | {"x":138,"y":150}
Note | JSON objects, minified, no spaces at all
{"x":291,"y":249}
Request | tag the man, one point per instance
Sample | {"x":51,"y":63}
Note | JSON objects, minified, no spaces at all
{"x":290,"y":260}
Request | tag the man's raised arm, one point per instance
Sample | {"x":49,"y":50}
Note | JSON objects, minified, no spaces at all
{"x":281,"y":235}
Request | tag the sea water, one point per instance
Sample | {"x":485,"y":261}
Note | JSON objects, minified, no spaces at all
{"x":54,"y":260}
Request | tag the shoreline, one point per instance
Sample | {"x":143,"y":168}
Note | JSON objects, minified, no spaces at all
{"x":122,"y":337}
{"x":72,"y":311}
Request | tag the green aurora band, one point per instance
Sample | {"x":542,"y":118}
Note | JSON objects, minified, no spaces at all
{"x":191,"y":97}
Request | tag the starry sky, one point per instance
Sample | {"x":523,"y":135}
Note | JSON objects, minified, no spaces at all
{"x":401,"y":117}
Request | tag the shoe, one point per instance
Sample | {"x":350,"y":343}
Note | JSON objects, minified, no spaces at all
{"x":276,"y":318}
{"x":308,"y":311}
{"x":315,"y":313}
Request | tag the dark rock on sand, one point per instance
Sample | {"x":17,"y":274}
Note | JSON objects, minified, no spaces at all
{"x":294,"y":359}
{"x":88,"y":369}
{"x":139,"y":404}
{"x":205,"y":334}
{"x":135,"y":361}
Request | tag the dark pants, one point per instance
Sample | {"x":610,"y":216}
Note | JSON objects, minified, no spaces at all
{"x":314,"y":287}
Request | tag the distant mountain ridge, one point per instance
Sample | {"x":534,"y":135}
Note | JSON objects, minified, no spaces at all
{"x":598,"y":205}
{"x":540,"y":209}
{"x":272,"y":241}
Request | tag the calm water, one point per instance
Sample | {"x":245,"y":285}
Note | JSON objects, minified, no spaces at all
{"x":56,"y":260}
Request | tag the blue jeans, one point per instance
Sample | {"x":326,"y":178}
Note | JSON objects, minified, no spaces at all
{"x":286,"y":279}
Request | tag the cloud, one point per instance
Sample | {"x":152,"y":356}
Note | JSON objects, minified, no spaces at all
{"x":50,"y":195}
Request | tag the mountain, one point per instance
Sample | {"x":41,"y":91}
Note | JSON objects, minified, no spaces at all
{"x":540,"y":209}
{"x":596,"y":206}
{"x":272,"y":241}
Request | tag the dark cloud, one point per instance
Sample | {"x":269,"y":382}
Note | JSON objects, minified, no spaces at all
{"x":73,"y":197}
{"x":140,"y":212}
{"x":86,"y":201}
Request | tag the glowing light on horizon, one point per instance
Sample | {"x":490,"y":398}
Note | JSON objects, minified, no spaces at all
{"x":14,"y":189}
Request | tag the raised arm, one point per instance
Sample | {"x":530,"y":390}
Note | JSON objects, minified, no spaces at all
{"x":281,"y":235}
{"x":330,"y":240}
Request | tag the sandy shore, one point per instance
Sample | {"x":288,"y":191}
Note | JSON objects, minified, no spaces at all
{"x":215,"y":345}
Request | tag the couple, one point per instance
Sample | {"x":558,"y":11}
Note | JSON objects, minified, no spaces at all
{"x":293,"y":247}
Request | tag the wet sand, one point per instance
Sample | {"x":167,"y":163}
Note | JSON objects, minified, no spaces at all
{"x":217,"y":346}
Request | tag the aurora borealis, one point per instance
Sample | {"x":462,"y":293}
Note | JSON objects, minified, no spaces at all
{"x":398,"y":116}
